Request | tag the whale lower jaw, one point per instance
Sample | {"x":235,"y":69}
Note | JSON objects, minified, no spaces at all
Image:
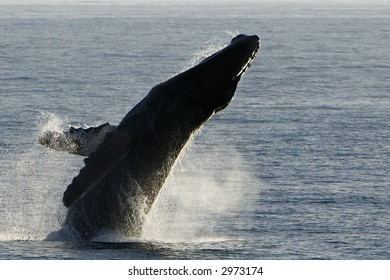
{"x":246,"y":66}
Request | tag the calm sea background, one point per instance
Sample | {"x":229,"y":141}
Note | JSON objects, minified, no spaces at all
{"x":297,"y":167}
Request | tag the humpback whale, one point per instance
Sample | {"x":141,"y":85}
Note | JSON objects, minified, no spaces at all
{"x":127,"y":165}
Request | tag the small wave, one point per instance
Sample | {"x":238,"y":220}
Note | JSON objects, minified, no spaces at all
{"x":192,"y":240}
{"x":20,"y":78}
{"x":104,"y":236}
{"x":12,"y":236}
{"x":112,"y":237}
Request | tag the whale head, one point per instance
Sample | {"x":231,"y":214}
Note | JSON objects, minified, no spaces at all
{"x":213,"y":82}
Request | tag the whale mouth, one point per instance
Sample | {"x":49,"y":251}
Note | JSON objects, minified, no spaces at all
{"x":246,"y":64}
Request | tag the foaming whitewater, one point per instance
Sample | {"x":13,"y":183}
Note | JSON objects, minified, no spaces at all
{"x":32,"y":188}
{"x":209,"y":186}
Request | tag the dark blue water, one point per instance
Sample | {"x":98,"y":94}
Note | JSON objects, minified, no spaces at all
{"x":297,"y":167}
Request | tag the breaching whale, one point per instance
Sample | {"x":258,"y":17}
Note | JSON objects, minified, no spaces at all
{"x":128,"y":164}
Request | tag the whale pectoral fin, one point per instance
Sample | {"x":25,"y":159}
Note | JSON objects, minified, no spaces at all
{"x":114,"y":146}
{"x":60,"y":142}
{"x":79,"y":141}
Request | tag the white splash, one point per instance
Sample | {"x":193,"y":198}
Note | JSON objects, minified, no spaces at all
{"x":50,"y":122}
{"x":32,"y":189}
{"x":200,"y":197}
{"x":211,"y":46}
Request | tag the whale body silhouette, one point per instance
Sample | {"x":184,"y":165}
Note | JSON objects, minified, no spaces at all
{"x":129,"y":163}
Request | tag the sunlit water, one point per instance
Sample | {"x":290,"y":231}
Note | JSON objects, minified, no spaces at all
{"x":297,"y":167}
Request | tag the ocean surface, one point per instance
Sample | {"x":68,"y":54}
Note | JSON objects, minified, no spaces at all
{"x":296,"y":167}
